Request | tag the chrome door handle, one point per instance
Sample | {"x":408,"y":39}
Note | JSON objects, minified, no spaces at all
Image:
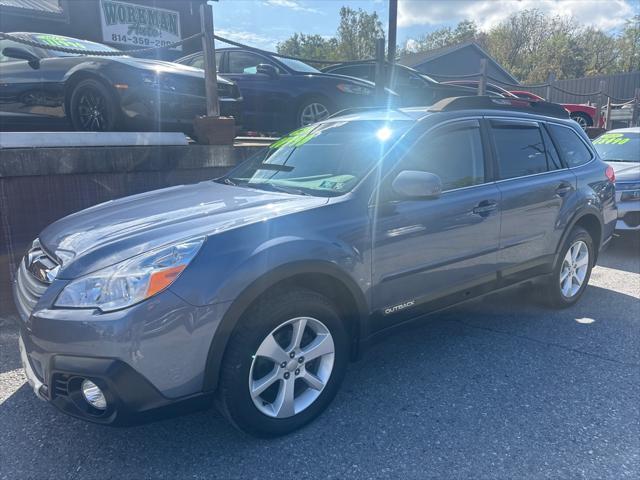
{"x":563,"y":189}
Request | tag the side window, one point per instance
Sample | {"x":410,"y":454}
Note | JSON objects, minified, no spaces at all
{"x":454,"y":153}
{"x":572,"y":149}
{"x":358,"y":71}
{"x":552,"y":153}
{"x":520,"y":149}
{"x":246,"y":62}
{"x":403,"y":79}
{"x":198,"y":61}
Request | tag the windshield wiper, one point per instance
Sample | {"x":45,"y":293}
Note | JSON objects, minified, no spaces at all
{"x":276,"y":188}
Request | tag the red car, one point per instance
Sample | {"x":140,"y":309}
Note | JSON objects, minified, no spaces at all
{"x":583,"y":114}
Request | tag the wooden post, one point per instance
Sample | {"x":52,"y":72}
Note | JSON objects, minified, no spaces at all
{"x":209,"y":52}
{"x":607,"y":122}
{"x":636,"y":108}
{"x":380,"y":71}
{"x":393,"y":29}
{"x":549,"y":93}
{"x":600,"y":103}
{"x":482,"y":84}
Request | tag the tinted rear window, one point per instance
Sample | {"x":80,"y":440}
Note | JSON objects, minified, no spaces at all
{"x":520,"y":150}
{"x":572,"y":149}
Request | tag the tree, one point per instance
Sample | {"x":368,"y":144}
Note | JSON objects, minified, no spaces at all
{"x":629,"y":46}
{"x":309,"y":46}
{"x":465,"y":31}
{"x":355,"y":39}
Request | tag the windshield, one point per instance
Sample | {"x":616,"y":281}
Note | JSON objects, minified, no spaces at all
{"x":322,"y":160}
{"x":298,"y":66}
{"x":618,"y":146}
{"x":67,"y":42}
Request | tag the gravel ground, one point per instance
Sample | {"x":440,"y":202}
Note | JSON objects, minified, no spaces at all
{"x":499,"y":388}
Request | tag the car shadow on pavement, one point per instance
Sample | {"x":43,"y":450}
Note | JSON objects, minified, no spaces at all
{"x":498,"y":387}
{"x":623,"y":253}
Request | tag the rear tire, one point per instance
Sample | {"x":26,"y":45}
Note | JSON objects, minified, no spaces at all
{"x":571,"y":275}
{"x":582,"y":119}
{"x":262,"y":351}
{"x":92,"y":107}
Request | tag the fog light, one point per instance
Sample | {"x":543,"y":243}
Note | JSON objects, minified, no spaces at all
{"x":93,"y":395}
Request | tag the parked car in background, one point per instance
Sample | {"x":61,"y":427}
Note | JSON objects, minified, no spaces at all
{"x":257,"y":288}
{"x":584,"y":115}
{"x":281,"y":94}
{"x":415,"y":88}
{"x":42,"y":88}
{"x":621,"y":149}
{"x":490,"y":88}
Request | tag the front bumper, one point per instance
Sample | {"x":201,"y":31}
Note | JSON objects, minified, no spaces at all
{"x":131,"y":398}
{"x":149,"y":359}
{"x":628,"y":214}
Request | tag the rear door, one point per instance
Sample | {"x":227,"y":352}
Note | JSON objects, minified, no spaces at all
{"x":534,"y":188}
{"x":428,"y":248}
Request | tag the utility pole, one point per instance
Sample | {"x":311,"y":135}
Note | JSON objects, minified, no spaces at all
{"x":209,"y":52}
{"x":380,"y":71}
{"x":211,"y":129}
{"x":393,"y":30}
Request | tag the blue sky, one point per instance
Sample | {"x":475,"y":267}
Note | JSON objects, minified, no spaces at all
{"x":263,"y":23}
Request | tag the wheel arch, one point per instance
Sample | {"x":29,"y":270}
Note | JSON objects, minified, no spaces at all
{"x":76,"y":77}
{"x":589,"y":219}
{"x":322,"y":277}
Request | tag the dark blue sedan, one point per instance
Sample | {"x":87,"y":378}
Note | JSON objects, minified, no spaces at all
{"x":281,"y":94}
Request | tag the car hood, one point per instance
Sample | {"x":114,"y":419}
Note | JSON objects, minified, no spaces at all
{"x":119,"y":229}
{"x":626,"y":171}
{"x":160,"y":66}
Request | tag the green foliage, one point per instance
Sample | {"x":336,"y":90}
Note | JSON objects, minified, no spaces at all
{"x":530,"y":44}
{"x":354,"y":40}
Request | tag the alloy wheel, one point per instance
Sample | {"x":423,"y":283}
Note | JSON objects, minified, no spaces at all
{"x":92,"y":110}
{"x":291,"y":367}
{"x":580,"y":120}
{"x":312,"y":113}
{"x":574,"y":269}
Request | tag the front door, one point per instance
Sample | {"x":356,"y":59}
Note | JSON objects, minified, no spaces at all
{"x":264,"y":96}
{"x":428,"y":248}
{"x":21,"y":95}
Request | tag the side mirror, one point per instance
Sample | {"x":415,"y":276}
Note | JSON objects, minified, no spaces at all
{"x":267,"y":69}
{"x":416,"y":184}
{"x":22,"y":54}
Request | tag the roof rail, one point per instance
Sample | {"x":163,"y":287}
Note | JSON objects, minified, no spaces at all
{"x":484,"y":102}
{"x":347,"y":111}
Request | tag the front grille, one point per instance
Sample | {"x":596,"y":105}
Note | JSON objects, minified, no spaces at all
{"x":29,"y":288}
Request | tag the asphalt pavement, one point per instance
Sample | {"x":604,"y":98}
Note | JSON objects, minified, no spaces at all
{"x":499,"y":388}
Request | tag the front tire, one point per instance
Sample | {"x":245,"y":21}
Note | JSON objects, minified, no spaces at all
{"x":92,"y":107}
{"x":284,"y":363}
{"x":571,"y":275}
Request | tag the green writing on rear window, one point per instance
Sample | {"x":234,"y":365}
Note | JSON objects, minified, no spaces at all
{"x":56,"y":41}
{"x":611,"y":138}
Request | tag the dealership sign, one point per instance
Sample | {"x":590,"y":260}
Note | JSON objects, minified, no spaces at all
{"x":138,"y":26}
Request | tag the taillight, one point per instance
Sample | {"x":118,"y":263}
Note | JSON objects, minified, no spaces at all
{"x":610,"y":173}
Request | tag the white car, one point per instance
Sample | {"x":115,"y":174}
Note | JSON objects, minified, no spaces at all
{"x":621,"y":149}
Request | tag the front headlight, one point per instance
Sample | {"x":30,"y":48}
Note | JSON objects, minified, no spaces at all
{"x":355,"y":89}
{"x":131,"y":281}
